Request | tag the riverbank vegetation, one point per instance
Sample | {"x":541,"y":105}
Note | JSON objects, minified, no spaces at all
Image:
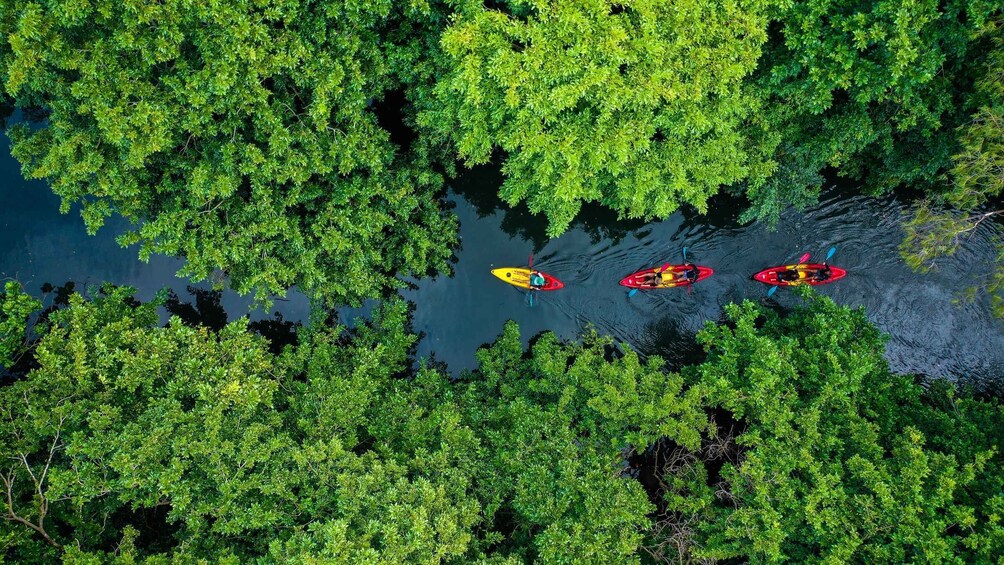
{"x":791,"y":441}
{"x":305,"y":143}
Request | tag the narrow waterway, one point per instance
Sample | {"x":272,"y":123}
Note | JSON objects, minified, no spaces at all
{"x":932,"y":334}
{"x":38,"y":245}
{"x":455,"y":314}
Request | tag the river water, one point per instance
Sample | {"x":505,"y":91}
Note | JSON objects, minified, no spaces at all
{"x":930,"y":334}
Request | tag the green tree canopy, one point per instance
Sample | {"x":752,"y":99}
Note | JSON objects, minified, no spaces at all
{"x":135,"y":441}
{"x":15,"y":308}
{"x":557,"y":424}
{"x":238,"y":135}
{"x":971,"y":196}
{"x":638,"y":105}
{"x":226,"y":449}
{"x":872,"y":89}
{"x":132,"y":441}
{"x":832,"y":462}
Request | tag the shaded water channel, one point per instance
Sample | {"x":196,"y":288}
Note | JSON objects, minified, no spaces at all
{"x":930,"y":333}
{"x":456,"y":314}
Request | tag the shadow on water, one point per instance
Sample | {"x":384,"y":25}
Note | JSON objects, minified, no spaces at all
{"x":6,"y":111}
{"x":207,"y":311}
{"x":667,"y":338}
{"x":723,"y":212}
{"x":11,"y":114}
{"x":931,"y":333}
{"x":479,"y":187}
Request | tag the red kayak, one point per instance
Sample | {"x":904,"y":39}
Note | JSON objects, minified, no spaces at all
{"x":806,"y":274}
{"x":673,"y":276}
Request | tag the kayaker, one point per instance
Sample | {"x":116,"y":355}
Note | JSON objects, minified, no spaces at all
{"x":787,"y":275}
{"x":822,"y":274}
{"x":537,"y":280}
{"x":692,"y":273}
{"x":653,"y":279}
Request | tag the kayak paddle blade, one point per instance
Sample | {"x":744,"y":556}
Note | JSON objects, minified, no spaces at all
{"x":771,"y":292}
{"x":633,"y":292}
{"x":805,"y":258}
{"x":684,"y":253}
{"x":830,"y":254}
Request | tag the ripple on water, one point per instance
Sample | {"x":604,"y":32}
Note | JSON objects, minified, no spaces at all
{"x":930,"y":334}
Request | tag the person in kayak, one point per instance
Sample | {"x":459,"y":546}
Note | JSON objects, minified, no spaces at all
{"x":653,"y":279}
{"x":692,"y":273}
{"x":537,"y":280}
{"x":788,"y":275}
{"x":822,"y":274}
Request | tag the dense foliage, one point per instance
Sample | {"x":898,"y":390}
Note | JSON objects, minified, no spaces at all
{"x":137,"y":440}
{"x":638,"y":105}
{"x":15,"y":308}
{"x":940,"y":226}
{"x":872,"y":89}
{"x":133,"y":441}
{"x":300,"y":142}
{"x":837,"y":460}
{"x":239,"y":135}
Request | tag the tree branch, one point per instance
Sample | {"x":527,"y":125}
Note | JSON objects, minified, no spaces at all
{"x":43,"y":502}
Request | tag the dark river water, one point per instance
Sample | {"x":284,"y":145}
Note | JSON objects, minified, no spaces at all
{"x":931,"y":334}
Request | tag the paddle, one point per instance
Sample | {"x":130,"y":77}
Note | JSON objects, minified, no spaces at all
{"x":529,"y":294}
{"x":685,"y":262}
{"x":634,"y":291}
{"x":829,"y":254}
{"x":804,"y":258}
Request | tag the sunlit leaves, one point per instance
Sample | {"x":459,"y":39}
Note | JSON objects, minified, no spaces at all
{"x":240,"y":137}
{"x":832,"y":462}
{"x":636,"y":105}
{"x":556,"y":427}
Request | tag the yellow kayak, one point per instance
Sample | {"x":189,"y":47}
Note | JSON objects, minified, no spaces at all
{"x":520,"y":276}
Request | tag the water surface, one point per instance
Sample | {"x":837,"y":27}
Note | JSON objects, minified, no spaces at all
{"x":456,"y":314}
{"x":930,"y":333}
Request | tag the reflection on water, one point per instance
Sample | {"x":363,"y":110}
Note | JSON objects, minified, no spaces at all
{"x":38,"y":245}
{"x":931,"y":335}
{"x":479,"y":188}
{"x":458,"y":313}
